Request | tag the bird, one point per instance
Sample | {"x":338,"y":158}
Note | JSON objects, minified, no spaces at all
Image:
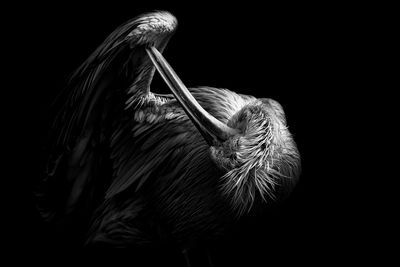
{"x":128,"y":167}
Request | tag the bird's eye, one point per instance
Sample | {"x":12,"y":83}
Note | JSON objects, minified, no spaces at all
{"x":263,"y":146}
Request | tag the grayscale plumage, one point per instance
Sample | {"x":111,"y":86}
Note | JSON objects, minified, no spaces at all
{"x":129,"y":167}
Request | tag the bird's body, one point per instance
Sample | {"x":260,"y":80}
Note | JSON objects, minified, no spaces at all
{"x":134,"y":168}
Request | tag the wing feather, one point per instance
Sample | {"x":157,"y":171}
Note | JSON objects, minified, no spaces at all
{"x":97,"y":115}
{"x":143,"y":154}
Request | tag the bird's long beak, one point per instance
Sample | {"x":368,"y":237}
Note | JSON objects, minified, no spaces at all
{"x":212,"y":129}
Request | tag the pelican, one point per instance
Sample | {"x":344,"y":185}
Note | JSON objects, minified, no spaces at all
{"x":132,"y":168}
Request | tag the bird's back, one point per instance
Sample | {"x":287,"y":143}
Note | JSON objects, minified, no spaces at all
{"x":181,"y":199}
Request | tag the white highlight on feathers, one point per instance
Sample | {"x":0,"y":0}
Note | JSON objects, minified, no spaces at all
{"x":155,"y":111}
{"x":152,"y":25}
{"x":252,"y":160}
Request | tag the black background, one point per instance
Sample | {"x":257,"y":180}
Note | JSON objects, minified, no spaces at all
{"x":307,"y":57}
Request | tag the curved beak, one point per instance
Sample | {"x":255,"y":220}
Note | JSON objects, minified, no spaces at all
{"x":211,"y":129}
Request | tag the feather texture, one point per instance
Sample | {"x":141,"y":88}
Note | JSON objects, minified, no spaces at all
{"x":96,"y":110}
{"x":132,"y":166}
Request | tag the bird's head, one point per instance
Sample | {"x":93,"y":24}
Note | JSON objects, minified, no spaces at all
{"x":253,"y":147}
{"x":261,"y":159}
